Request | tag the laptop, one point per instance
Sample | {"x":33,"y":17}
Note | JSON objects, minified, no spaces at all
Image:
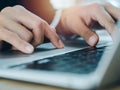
{"x":77,"y":66}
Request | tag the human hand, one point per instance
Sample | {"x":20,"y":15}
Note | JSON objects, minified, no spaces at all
{"x":24,"y":30}
{"x":77,"y":19}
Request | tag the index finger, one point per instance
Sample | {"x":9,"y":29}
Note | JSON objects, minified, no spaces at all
{"x":51,"y":34}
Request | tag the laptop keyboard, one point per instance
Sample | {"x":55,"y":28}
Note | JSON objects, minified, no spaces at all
{"x":82,"y":61}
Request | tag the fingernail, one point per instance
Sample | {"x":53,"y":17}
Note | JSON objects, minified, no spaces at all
{"x":61,"y":44}
{"x":29,"y":48}
{"x":92,"y":40}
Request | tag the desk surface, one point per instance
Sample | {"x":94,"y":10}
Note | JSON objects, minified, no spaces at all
{"x":17,"y":85}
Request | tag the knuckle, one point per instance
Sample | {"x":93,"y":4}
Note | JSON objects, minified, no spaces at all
{"x":29,"y":36}
{"x":12,"y":36}
{"x":39,"y":24}
{"x":19,"y":6}
{"x":96,"y":6}
{"x":6,"y":9}
{"x":38,"y":42}
{"x":86,"y":34}
{"x":112,"y":22}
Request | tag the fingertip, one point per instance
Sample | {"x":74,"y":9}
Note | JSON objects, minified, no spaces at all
{"x":29,"y":49}
{"x":61,"y":44}
{"x":55,"y":39}
{"x":58,"y":44}
{"x":93,"y":40}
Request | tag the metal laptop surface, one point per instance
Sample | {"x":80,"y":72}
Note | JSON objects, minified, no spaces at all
{"x":62,"y":79}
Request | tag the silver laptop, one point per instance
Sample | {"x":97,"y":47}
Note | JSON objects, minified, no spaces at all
{"x":77,"y":66}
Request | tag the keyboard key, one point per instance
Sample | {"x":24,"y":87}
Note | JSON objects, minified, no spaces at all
{"x":82,"y":61}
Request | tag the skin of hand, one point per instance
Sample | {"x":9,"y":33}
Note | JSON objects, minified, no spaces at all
{"x":25,"y":30}
{"x":77,"y":19}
